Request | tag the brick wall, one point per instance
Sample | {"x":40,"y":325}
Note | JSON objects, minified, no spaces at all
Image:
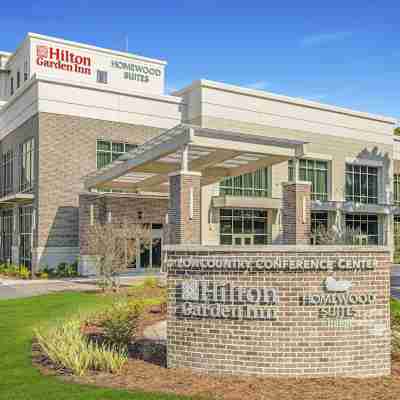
{"x":67,"y":152}
{"x":296,"y":212}
{"x":184,"y":227}
{"x":123,"y":207}
{"x":298,"y":342}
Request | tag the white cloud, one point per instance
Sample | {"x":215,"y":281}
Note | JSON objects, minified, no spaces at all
{"x":320,"y":39}
{"x":258,"y":85}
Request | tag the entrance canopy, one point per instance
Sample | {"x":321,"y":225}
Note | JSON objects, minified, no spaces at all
{"x":214,"y":153}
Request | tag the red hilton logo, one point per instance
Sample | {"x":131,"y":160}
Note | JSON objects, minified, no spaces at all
{"x":65,"y":60}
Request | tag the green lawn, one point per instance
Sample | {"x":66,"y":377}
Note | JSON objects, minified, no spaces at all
{"x":19,"y":380}
{"x":395,"y":306}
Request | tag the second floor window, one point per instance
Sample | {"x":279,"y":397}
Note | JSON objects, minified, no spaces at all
{"x":361,"y":184}
{"x":7,"y":173}
{"x":316,"y":172}
{"x":18,"y":79}
{"x":107,"y":151}
{"x":11,"y":86}
{"x":26,"y":163}
{"x":25,"y":71}
{"x":102,"y":76}
{"x":254,"y":184}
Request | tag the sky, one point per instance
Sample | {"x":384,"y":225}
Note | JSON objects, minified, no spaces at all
{"x":345,"y":53}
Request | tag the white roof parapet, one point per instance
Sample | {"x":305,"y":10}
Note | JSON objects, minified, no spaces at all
{"x":216,"y":153}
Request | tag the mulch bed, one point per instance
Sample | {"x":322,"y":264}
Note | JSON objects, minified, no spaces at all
{"x":150,"y":375}
{"x":145,"y":376}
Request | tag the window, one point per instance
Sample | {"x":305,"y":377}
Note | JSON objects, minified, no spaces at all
{"x":25,"y":225}
{"x":102,"y":76}
{"x":243,"y":226}
{"x":314,"y":171}
{"x":108,"y":151}
{"x":253,"y":184}
{"x":7,"y":172}
{"x":18,"y":79}
{"x":365,"y":227}
{"x":25,"y":71}
{"x":11,"y":86}
{"x":396,"y":233}
{"x":26,"y":165}
{"x":361,"y":184}
{"x":7,"y":223}
{"x":396,"y":190}
{"x":319,"y":224}
{"x":290,"y":171}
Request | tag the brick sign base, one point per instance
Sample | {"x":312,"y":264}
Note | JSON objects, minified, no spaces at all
{"x":279,"y":311}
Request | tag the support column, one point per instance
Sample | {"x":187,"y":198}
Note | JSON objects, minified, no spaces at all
{"x":16,"y":237}
{"x":296,"y":212}
{"x":184,"y":208}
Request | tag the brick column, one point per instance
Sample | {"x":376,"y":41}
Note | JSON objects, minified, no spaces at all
{"x":296,"y":212}
{"x":184,"y":208}
{"x":16,"y":237}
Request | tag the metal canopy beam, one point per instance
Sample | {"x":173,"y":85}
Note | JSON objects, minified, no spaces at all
{"x":214,"y":153}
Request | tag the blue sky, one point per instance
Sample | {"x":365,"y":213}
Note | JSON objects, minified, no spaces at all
{"x":345,"y":53}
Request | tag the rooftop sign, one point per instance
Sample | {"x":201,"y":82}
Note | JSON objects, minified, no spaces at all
{"x":56,"y":58}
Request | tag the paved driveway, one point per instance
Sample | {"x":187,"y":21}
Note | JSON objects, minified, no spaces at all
{"x":12,"y":289}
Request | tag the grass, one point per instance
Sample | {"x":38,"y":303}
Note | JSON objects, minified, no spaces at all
{"x":19,"y":380}
{"x":395,"y":306}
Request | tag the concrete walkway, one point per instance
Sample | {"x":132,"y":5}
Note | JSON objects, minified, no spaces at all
{"x":16,"y":288}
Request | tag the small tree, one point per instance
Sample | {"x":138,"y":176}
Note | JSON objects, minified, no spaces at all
{"x":397,"y":131}
{"x":113,"y":247}
{"x":335,"y":236}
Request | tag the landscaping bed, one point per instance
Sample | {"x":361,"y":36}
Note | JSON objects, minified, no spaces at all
{"x":145,"y":367}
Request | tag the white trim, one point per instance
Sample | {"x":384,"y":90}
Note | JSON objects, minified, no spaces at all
{"x":318,"y":156}
{"x":185,"y":173}
{"x":275,"y":248}
{"x":364,"y":161}
{"x":284,"y":99}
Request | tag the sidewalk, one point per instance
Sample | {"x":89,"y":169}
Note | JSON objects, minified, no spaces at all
{"x":18,"y":288}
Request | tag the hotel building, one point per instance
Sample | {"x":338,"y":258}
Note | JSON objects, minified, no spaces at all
{"x":88,"y":134}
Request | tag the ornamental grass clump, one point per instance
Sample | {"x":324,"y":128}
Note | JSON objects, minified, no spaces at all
{"x":68,"y":348}
{"x":395,"y":333}
{"x":120,"y":322}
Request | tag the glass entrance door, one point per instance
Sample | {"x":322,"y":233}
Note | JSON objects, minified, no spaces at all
{"x":147,"y":255}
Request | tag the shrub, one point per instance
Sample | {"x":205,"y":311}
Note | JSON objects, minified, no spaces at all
{"x":3,"y":269}
{"x":24,"y":272}
{"x":10,"y":270}
{"x":120,"y":322}
{"x":43,"y":275}
{"x":150,"y":282}
{"x":395,"y":332}
{"x":61,"y":269}
{"x":67,"y":347}
{"x":72,"y":270}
